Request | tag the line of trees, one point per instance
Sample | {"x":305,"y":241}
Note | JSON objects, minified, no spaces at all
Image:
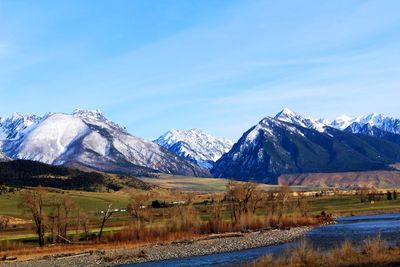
{"x":242,"y":207}
{"x":366,"y":194}
{"x":246,"y":198}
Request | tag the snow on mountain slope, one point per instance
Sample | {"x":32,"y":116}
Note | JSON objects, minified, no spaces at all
{"x":88,"y":139}
{"x":292,"y":117}
{"x":48,"y":140}
{"x":3,"y":134}
{"x":195,"y":145}
{"x":341,"y":122}
{"x":14,"y":127}
{"x":380,"y":121}
{"x":344,"y":122}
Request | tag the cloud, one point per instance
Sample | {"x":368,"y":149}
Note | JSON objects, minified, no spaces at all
{"x":252,"y":58}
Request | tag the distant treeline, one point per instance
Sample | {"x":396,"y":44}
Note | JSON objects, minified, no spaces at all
{"x":20,"y":173}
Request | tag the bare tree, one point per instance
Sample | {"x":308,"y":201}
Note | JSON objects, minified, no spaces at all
{"x":240,"y":196}
{"x":64,"y":206}
{"x":136,"y":205}
{"x":363,"y":193}
{"x":271,"y":203}
{"x":106,"y":216}
{"x":184,"y":215}
{"x":282,"y":198}
{"x":374,"y":195}
{"x":303,"y":205}
{"x":34,"y":202}
{"x":216,"y":207}
{"x":4,"y":221}
{"x":256,"y":199}
{"x":216,"y":213}
{"x":51,"y":226}
{"x":84,"y":221}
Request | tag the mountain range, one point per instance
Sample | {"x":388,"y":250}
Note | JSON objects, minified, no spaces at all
{"x":288,"y":143}
{"x":291,"y":143}
{"x":380,"y":121}
{"x":88,"y":140}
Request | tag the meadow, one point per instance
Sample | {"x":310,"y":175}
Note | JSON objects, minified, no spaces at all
{"x":94,"y":203}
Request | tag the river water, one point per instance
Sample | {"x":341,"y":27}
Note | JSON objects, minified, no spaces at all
{"x":354,"y":228}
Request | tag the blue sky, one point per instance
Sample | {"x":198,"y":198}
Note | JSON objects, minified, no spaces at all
{"x":216,"y":65}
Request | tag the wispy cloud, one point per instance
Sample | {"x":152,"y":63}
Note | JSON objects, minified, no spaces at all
{"x":242,"y":61}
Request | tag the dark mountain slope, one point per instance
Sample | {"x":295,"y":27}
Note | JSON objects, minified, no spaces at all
{"x":275,"y":147}
{"x":368,"y":129}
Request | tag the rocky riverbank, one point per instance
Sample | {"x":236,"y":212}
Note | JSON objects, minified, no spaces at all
{"x":157,"y":252}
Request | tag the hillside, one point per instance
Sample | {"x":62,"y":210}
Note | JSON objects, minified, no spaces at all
{"x":377,"y":179}
{"x":31,"y":173}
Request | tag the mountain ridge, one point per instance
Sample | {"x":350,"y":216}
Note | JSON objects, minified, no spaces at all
{"x":195,"y":145}
{"x":87,"y":138}
{"x":274,"y":147}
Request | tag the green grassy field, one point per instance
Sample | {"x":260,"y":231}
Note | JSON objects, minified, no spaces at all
{"x":88,"y":201}
{"x":31,"y":237}
{"x":352,"y":205}
{"x":92,"y":203}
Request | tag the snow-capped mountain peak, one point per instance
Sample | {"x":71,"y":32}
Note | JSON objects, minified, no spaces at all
{"x":87,"y":114}
{"x":355,"y":125}
{"x":341,"y":122}
{"x":195,"y":145}
{"x":292,"y":117}
{"x":86,"y":138}
{"x":94,"y":113}
{"x":373,"y":119}
{"x":286,"y":112}
{"x":96,"y":116}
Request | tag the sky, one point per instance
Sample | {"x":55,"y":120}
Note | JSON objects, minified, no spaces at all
{"x":217,"y":65}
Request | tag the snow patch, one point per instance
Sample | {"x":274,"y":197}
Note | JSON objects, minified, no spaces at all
{"x":97,"y":143}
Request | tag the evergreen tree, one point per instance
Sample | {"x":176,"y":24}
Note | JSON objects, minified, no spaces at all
{"x":389,"y":195}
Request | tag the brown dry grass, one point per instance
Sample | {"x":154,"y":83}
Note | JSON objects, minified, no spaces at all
{"x":25,"y":253}
{"x":178,"y":228}
{"x":374,"y":252}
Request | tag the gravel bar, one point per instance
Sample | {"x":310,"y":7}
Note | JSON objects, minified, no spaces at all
{"x":159,"y":252}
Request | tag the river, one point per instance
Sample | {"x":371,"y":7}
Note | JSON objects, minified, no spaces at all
{"x":354,"y":228}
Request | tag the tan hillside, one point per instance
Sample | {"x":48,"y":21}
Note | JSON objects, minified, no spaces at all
{"x":379,"y":179}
